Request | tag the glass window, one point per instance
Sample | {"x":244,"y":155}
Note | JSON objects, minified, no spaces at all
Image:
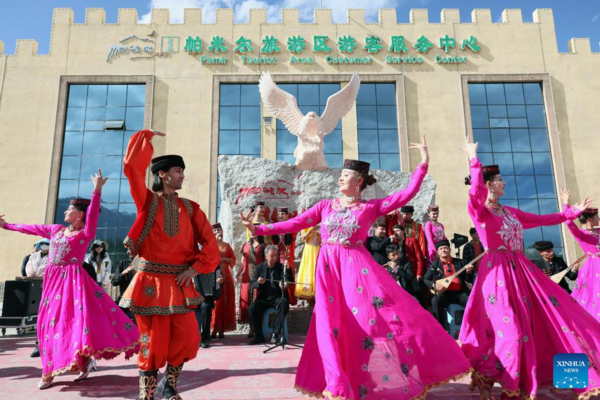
{"x":87,"y":147}
{"x":522,"y":151}
{"x":239,"y":123}
{"x":377,"y":123}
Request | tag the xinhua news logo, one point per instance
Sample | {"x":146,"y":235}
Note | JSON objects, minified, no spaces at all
{"x":571,"y":371}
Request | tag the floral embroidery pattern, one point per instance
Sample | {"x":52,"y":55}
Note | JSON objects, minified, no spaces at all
{"x":128,"y":326}
{"x":98,"y":294}
{"x":554,"y":301}
{"x":336,"y":331}
{"x":377,"y":302}
{"x":59,"y":248}
{"x":511,"y":231}
{"x":368,"y":343}
{"x":363,"y":391}
{"x":404,"y":369}
{"x":492,"y":299}
{"x":341,"y":225}
{"x":149,"y":291}
{"x":499,"y":366}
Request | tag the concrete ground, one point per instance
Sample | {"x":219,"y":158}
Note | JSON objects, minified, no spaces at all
{"x":228,"y":370}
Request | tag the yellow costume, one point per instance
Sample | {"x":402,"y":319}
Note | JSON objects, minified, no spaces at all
{"x":306,"y":273}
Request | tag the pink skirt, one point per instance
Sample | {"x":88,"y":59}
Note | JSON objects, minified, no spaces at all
{"x":516,"y":320}
{"x":78,"y":320}
{"x":368,"y":338}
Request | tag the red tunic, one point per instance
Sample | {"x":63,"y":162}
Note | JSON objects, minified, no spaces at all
{"x":224,"y":312}
{"x":166,"y":236}
{"x":252,"y":257}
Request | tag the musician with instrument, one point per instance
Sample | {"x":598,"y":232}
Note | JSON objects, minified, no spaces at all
{"x":550,"y":264}
{"x":267,"y":279}
{"x":446,"y":266}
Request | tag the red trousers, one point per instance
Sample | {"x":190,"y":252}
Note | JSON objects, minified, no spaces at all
{"x":167,"y":338}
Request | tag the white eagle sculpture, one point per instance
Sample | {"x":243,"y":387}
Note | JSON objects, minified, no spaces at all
{"x":311,"y":129}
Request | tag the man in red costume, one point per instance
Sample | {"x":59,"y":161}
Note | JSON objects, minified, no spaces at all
{"x":165,"y":235}
{"x":413,"y":229}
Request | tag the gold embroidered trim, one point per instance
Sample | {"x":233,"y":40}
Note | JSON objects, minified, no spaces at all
{"x":327,"y":394}
{"x":147,"y":387}
{"x":157,"y":310}
{"x":479,"y":377}
{"x":171,"y":219}
{"x":188,"y":206}
{"x":87,"y":351}
{"x":128,"y":242}
{"x":160,"y":268}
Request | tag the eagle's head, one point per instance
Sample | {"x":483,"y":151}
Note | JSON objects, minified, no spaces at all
{"x":309,"y":125}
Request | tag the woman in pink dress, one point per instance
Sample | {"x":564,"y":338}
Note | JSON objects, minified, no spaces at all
{"x":517,"y":319}
{"x":434,"y":231}
{"x":77,"y":321}
{"x":587,"y":288}
{"x":368,"y":338}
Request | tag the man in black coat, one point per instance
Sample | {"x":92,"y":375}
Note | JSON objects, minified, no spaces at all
{"x":265,"y":279}
{"x":550,"y":264}
{"x":122,"y":278}
{"x":377,"y":244}
{"x":445,"y":266}
{"x":401,"y":269}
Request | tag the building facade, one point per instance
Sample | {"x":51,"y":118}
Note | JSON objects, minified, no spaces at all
{"x":65,"y":114}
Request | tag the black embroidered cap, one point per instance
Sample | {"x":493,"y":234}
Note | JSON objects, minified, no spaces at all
{"x":356,"y":165}
{"x":441,"y":243}
{"x":407,"y":209}
{"x":543,"y":245}
{"x":217,"y":226}
{"x":165,"y":163}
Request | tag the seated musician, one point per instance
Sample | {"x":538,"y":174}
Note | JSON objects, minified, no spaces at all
{"x":550,"y":264}
{"x":266,"y":279}
{"x":444,"y":266}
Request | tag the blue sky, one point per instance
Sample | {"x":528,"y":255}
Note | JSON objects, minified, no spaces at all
{"x":31,"y":19}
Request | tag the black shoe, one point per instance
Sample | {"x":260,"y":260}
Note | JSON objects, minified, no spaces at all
{"x":35,"y":353}
{"x":250,"y":335}
{"x":204,"y":345}
{"x":256,"y":341}
{"x":282,"y":341}
{"x":167,"y":387}
{"x":148,"y":384}
{"x":274,"y":338}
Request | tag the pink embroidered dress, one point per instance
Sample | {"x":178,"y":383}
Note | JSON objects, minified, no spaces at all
{"x":76,"y":319}
{"x":517,"y":319}
{"x":434,"y":232}
{"x":368,"y":338}
{"x":587,"y":288}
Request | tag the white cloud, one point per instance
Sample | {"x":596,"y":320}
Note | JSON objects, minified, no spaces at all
{"x":595,"y":18}
{"x":339,"y":8}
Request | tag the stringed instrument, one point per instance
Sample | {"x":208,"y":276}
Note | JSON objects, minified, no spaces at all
{"x":445,"y":282}
{"x":559,"y":277}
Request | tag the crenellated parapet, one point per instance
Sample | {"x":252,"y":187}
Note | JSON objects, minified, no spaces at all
{"x":63,"y":19}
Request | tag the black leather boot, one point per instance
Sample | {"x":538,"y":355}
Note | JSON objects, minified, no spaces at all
{"x":148,"y":384}
{"x":167,"y":388}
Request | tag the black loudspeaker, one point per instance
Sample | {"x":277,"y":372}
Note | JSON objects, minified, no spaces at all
{"x":22,"y":298}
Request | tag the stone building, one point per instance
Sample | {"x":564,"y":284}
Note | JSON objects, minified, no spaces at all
{"x":69,"y":112}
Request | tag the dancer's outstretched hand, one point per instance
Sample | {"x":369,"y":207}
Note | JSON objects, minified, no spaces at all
{"x":157,"y":133}
{"x":2,"y":221}
{"x":98,"y":180}
{"x":471,"y":149}
{"x":247,"y":221}
{"x":564,"y":196}
{"x":422,"y":147}
{"x":186,"y":277}
{"x":583,"y":205}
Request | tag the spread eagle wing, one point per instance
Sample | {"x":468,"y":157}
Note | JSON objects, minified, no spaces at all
{"x":280,"y":103}
{"x":339,"y":104}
